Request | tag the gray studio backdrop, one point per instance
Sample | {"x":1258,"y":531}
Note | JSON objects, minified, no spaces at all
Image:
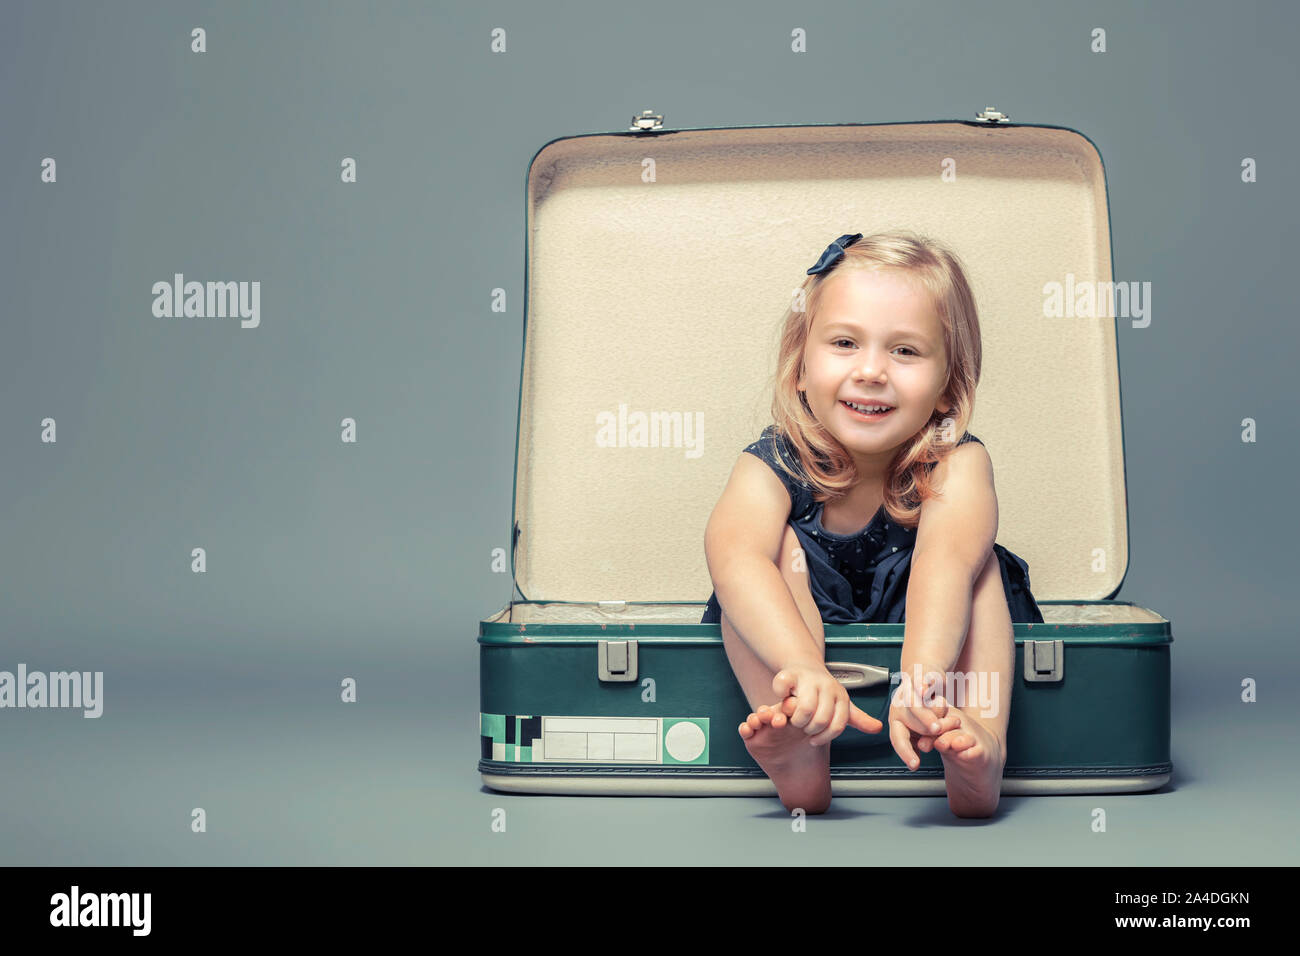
{"x":327,"y":560}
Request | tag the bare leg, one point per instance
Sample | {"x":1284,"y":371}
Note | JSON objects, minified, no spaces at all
{"x":975,"y":754}
{"x":800,"y":772}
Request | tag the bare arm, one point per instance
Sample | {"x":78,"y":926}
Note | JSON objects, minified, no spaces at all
{"x":741,"y":545}
{"x":953,"y":543}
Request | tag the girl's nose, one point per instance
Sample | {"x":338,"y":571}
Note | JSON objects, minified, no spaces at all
{"x":871,"y":367}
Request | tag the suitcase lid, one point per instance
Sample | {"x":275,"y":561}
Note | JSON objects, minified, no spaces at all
{"x":659,"y":265}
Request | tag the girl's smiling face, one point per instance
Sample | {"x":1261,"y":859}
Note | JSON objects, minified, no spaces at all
{"x":877,"y":339}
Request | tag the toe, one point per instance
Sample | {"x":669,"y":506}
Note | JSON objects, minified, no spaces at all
{"x":952,"y":740}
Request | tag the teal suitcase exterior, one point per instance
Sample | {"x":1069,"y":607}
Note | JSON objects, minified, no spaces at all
{"x":1077,"y":724}
{"x":597,"y":678}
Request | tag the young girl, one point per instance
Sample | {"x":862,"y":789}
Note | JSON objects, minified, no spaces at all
{"x":858,"y":506}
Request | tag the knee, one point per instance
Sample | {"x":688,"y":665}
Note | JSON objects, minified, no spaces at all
{"x":990,"y":572}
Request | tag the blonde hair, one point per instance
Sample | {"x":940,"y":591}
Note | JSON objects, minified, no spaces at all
{"x":828,"y":467}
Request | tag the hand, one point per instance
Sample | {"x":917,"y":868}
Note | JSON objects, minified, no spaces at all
{"x":916,"y":718}
{"x":822,"y":705}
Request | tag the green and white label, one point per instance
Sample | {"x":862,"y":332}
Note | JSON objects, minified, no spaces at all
{"x":518,"y":738}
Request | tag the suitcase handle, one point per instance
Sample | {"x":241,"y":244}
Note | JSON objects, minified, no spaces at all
{"x":858,"y":676}
{"x":855,"y":677}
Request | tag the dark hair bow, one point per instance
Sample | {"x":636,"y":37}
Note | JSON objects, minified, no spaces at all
{"x":834,"y":253}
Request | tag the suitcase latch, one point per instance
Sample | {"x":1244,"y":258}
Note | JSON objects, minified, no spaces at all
{"x":648,"y":119}
{"x":616,"y":660}
{"x":1044,"y":660}
{"x":990,"y":115}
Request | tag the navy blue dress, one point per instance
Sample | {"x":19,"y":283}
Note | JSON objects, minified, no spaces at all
{"x":862,"y":578}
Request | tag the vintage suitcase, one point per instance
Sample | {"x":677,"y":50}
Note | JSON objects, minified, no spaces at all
{"x":658,"y":265}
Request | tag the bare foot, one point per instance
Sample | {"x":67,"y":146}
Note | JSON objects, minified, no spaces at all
{"x":973,"y":759}
{"x":801,"y":772}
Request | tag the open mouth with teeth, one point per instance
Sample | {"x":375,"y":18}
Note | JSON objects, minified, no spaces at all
{"x":868,"y":412}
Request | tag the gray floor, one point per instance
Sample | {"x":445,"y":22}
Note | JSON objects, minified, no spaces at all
{"x":286,"y":778}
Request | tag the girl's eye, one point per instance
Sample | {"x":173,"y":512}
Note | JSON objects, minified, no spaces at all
{"x":850,"y":342}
